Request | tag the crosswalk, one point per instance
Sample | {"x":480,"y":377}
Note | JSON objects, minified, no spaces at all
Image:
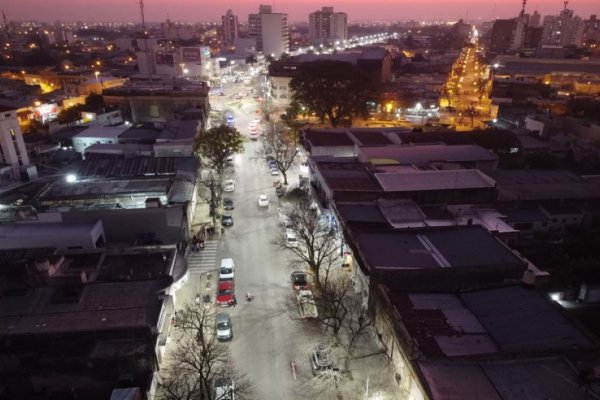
{"x":204,"y":260}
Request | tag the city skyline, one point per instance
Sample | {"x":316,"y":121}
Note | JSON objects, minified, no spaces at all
{"x":192,"y":11}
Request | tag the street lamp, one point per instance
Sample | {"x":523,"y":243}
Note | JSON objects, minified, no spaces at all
{"x":71,"y":178}
{"x":97,"y":73}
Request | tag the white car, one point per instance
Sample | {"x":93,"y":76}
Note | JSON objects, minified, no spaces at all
{"x":229,"y":185}
{"x":263,"y":200}
{"x":291,"y":239}
{"x":227,"y":269}
{"x":274,"y":172}
{"x":253,"y":135}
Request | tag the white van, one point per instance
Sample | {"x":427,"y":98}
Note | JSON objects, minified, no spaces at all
{"x":226,"y":270}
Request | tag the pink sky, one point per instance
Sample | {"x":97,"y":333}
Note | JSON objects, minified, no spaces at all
{"x":210,"y":10}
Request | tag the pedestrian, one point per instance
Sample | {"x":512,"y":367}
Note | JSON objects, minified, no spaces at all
{"x":194,"y":242}
{"x":248,"y":297}
{"x":234,"y":301}
{"x":223,"y":231}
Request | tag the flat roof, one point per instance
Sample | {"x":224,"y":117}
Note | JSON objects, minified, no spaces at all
{"x":455,"y":246}
{"x":34,"y":230}
{"x":423,"y":154}
{"x":95,"y":188}
{"x":517,"y":65}
{"x":108,"y":132}
{"x":179,"y":130}
{"x":521,"y":319}
{"x":433,"y":180}
{"x":360,"y":212}
{"x":528,"y":379}
{"x":116,"y":165}
{"x":327,"y":137}
{"x":347,"y":176}
{"x":101,"y":306}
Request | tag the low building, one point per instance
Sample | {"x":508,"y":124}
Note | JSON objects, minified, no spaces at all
{"x":79,"y":324}
{"x":97,"y":135}
{"x":62,"y":235}
{"x":475,"y":345}
{"x":160,"y":100}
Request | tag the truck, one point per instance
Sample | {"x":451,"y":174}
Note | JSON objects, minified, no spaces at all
{"x":306,"y":304}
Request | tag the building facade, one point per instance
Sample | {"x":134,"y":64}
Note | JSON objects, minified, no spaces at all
{"x":230,"y":27}
{"x":12,"y":147}
{"x":326,"y":26}
{"x":270,"y":31}
{"x":564,"y":29}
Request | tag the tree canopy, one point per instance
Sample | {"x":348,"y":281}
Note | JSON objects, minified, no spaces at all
{"x":333,"y":90}
{"x":214,"y":145}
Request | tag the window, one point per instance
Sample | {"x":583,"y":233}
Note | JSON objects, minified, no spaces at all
{"x":12,"y":132}
{"x":154,"y":111}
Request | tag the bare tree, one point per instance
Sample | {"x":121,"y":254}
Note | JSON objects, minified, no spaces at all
{"x":281,"y":143}
{"x":211,"y":191}
{"x":198,"y":359}
{"x":317,"y":247}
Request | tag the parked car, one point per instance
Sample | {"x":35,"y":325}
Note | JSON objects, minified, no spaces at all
{"x":320,"y":360}
{"x":274,"y":172}
{"x":229,"y":185}
{"x":263,"y":200}
{"x":227,"y":269}
{"x":225,"y":293}
{"x":306,"y":304}
{"x":253,"y":135}
{"x":228,"y":204}
{"x":272,"y":164}
{"x":223,"y":326}
{"x":291,"y":239}
{"x":299,"y":280}
{"x":224,"y":389}
{"x":227,"y":219}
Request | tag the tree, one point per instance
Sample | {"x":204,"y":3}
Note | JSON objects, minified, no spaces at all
{"x":318,"y":247}
{"x":198,"y":359}
{"x":94,"y":102}
{"x":216,"y":144}
{"x":333,"y":90}
{"x":281,"y":143}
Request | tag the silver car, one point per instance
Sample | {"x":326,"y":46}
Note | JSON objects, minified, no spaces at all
{"x":223,"y":326}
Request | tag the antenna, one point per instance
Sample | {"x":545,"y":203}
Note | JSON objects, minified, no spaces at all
{"x":566,"y":3}
{"x":5,"y":25}
{"x":523,"y":9}
{"x":142,"y":13}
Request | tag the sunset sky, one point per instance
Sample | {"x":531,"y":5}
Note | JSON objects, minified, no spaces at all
{"x":211,"y":10}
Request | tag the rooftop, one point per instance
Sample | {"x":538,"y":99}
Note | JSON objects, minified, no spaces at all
{"x":347,"y":176}
{"x":434,"y":180}
{"x":506,"y":320}
{"x":99,"y":188}
{"x":423,"y":154}
{"x":100,"y":306}
{"x":530,"y":379}
{"x":108,"y":132}
{"x":517,"y":65}
{"x":327,"y":137}
{"x":105,"y":165}
{"x":457,"y":246}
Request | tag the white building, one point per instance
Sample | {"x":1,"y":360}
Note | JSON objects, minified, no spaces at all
{"x":97,"y":135}
{"x":230,"y":27}
{"x":12,"y":147}
{"x":563,"y":29}
{"x":326,"y":26}
{"x":270,"y":31}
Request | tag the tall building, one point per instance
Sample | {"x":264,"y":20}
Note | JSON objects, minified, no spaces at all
{"x":502,"y":33}
{"x":535,"y":19}
{"x":270,"y":31}
{"x":563,"y":29}
{"x":230,"y":27}
{"x":12,"y":147}
{"x":326,"y":26}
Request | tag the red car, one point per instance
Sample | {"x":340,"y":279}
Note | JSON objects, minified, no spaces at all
{"x":225,"y":293}
{"x":299,"y":280}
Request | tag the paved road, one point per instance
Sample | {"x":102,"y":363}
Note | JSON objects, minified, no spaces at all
{"x":266,"y":338}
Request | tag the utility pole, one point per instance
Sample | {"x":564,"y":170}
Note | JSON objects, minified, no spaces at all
{"x":6,"y":25}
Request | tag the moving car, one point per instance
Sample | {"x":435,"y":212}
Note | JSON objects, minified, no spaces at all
{"x":223,"y":326}
{"x":228,"y":204}
{"x":320,"y":360}
{"x":263,"y":200}
{"x":227,"y":219}
{"x":227,"y":269}
{"x":225,"y":293}
{"x":229,"y":185}
{"x":299,"y":280}
{"x":306,"y":304}
{"x":224,"y":389}
{"x":291,"y":239}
